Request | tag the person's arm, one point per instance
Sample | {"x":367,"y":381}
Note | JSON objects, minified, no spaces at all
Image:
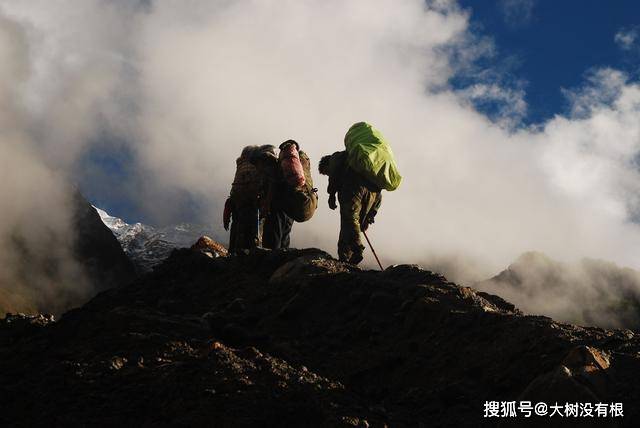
{"x":226,"y":216}
{"x":377,"y":203}
{"x":332,"y":189}
{"x":336,"y":176}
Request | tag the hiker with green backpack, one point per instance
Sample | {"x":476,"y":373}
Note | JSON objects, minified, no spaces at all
{"x":358,"y":175}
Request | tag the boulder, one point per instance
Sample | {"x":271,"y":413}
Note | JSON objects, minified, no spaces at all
{"x":211,"y":248}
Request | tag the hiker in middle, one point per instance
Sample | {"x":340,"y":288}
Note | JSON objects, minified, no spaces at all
{"x":359,"y":203}
{"x":277,"y":224}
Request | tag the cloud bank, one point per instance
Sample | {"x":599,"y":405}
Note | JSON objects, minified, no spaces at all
{"x":183,"y":86}
{"x":585,"y":292}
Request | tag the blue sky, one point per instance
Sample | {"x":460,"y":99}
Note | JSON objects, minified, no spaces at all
{"x":548,"y":45}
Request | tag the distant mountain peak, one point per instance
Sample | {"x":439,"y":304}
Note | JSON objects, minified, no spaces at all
{"x":147,"y":246}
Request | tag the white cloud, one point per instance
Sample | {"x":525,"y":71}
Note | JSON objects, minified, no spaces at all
{"x":602,"y":87}
{"x":627,"y":38}
{"x":509,"y":103}
{"x":517,"y":13}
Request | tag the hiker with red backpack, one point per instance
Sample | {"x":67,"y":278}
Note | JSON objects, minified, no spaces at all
{"x":277,"y":225}
{"x":269,"y":193}
{"x":288,"y":193}
{"x":358,"y":175}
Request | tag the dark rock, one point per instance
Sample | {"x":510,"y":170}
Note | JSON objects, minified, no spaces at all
{"x":209,"y":247}
{"x":234,"y":335}
{"x":315,"y":263}
{"x":237,"y":306}
{"x":214,"y":320}
{"x":20,"y":326}
{"x":323,"y":345}
{"x":117,"y":363}
{"x":383,"y":304}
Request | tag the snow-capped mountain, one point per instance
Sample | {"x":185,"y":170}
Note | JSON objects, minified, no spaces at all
{"x":147,"y":245}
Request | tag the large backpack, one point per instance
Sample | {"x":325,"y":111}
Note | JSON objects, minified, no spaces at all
{"x":298,"y":202}
{"x":246,"y":183}
{"x":291,"y":166}
{"x":370,"y":155}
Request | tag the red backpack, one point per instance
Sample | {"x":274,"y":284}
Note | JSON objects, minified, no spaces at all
{"x":300,"y":198}
{"x":290,"y":164}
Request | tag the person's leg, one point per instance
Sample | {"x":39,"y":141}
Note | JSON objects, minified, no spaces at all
{"x":255,"y":221}
{"x":269,"y":232}
{"x":277,"y":230}
{"x":350,"y":248}
{"x":233,"y":234}
{"x":369,"y":203}
{"x":286,"y":224}
{"x":247,"y":230}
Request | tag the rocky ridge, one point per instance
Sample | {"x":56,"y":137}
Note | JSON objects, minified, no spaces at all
{"x":296,"y":338}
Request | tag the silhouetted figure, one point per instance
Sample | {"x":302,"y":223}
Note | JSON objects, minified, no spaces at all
{"x":359,"y":203}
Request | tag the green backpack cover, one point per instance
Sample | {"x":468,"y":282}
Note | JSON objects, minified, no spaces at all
{"x":370,"y":155}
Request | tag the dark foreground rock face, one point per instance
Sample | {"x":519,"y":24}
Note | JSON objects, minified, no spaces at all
{"x":295,"y":338}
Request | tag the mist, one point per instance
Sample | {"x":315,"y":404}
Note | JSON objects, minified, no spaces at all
{"x":183,"y":86}
{"x":49,"y":107}
{"x":586,"y":292}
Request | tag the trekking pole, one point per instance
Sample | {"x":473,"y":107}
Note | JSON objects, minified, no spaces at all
{"x":372,"y":250}
{"x":258,"y":236}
